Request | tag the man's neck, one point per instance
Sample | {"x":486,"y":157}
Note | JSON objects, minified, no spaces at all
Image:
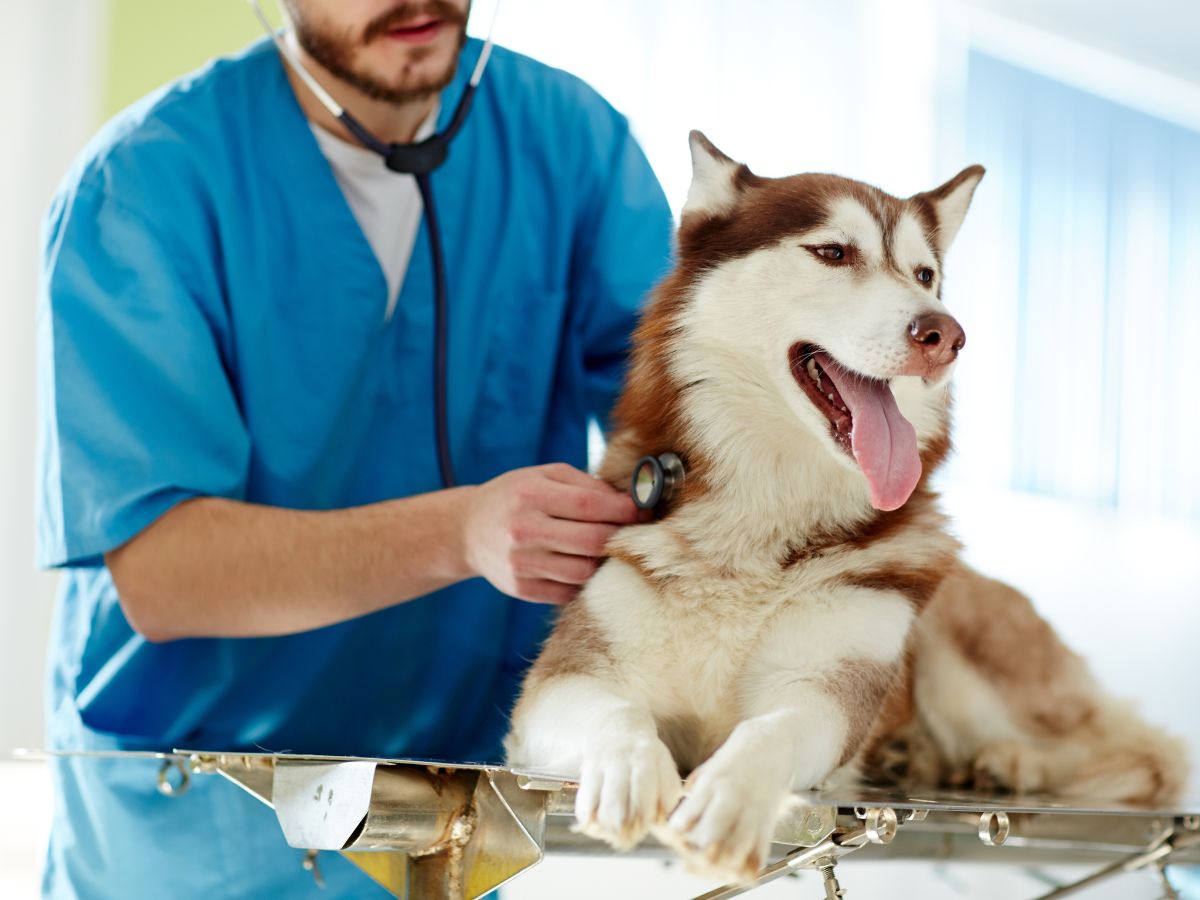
{"x":391,"y":122}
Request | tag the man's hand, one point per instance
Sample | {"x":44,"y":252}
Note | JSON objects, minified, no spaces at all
{"x":538,"y":533}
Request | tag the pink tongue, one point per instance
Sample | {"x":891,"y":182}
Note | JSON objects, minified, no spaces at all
{"x":884,"y":442}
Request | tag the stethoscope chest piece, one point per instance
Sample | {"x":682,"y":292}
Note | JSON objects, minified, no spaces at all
{"x":656,"y":480}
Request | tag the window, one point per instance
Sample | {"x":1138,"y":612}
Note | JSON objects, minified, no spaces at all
{"x":1083,"y":263}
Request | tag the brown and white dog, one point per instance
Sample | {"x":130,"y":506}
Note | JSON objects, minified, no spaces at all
{"x":799,"y":611}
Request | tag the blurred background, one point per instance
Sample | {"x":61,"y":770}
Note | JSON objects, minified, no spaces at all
{"x":1076,"y":276}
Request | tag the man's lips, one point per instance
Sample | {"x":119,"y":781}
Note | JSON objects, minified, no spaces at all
{"x":421,"y":31}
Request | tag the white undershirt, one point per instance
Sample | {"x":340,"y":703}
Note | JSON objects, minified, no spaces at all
{"x":386,"y":204}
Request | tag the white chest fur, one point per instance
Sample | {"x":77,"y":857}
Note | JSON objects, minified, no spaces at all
{"x":698,"y":648}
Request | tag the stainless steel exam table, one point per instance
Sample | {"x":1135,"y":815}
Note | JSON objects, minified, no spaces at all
{"x":426,"y":830}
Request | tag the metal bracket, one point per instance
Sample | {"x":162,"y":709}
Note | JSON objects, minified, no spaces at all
{"x":880,"y":828}
{"x":419,"y":831}
{"x":166,"y":786}
{"x":1173,"y":839}
{"x":994,"y":828}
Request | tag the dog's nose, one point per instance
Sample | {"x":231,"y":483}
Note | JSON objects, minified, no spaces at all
{"x":938,"y":337}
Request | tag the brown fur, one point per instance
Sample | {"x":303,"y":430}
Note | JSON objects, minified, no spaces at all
{"x":898,"y":709}
{"x":996,"y":628}
{"x":1047,"y":691}
{"x":648,"y":574}
{"x":772,"y":209}
{"x":576,"y":645}
{"x":923,"y":204}
{"x":920,"y":511}
{"x":918,"y":585}
{"x":884,"y":753}
{"x":878,"y":528}
{"x":859,"y":687}
{"x":647,"y":418}
{"x":649,"y":405}
{"x":1159,"y":782}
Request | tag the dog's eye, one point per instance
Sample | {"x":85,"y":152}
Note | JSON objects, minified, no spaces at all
{"x":925,"y":275}
{"x":831,"y":252}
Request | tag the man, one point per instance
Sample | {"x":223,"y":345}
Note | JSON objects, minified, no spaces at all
{"x":238,"y":466}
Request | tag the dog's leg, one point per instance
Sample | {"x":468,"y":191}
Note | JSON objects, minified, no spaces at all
{"x":627,"y":778}
{"x":809,"y":697}
{"x":1010,"y":707}
{"x":724,"y":825}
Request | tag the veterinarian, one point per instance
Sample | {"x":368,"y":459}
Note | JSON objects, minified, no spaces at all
{"x":239,"y":466}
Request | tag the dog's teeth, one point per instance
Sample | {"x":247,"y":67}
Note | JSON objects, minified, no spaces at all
{"x":812,"y":371}
{"x":830,"y":396}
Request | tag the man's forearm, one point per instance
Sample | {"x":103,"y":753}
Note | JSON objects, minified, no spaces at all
{"x":220,"y":568}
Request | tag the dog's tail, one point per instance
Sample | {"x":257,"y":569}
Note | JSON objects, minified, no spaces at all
{"x":1129,"y":761}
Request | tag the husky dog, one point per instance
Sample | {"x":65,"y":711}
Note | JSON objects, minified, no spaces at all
{"x":799,"y":612}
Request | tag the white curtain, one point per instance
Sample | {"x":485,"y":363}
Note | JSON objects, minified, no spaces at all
{"x":1084,"y":296}
{"x":49,"y":74}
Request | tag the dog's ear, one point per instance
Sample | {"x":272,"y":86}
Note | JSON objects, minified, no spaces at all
{"x":715,"y":188}
{"x":950,"y":202}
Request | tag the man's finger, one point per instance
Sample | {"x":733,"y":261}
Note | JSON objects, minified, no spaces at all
{"x":561,"y":567}
{"x":576,"y":538}
{"x":577,"y":504}
{"x":566,"y":474}
{"x":540,"y":591}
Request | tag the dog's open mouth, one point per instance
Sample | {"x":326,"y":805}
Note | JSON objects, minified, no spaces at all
{"x":864,"y":421}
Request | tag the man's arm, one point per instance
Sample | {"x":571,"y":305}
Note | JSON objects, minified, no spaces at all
{"x":211,"y":567}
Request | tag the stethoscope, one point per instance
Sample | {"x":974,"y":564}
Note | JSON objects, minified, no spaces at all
{"x":656,"y":479}
{"x":420,"y":160}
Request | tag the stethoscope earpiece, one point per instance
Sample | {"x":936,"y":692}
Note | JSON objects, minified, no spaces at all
{"x":656,"y":480}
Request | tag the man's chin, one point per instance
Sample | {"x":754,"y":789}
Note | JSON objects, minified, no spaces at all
{"x":386,"y":70}
{"x":423,"y":73}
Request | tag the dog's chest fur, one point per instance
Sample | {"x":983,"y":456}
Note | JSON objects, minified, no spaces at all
{"x":701,"y":634}
{"x":686,"y":642}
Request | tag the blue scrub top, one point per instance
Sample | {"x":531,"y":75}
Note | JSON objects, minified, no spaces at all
{"x":211,"y":323}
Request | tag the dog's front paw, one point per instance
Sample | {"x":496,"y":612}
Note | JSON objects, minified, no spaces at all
{"x":624,"y":788}
{"x":724,"y":825}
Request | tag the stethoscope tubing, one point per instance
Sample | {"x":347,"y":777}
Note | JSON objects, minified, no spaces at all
{"x":441,"y":331}
{"x":419,"y":160}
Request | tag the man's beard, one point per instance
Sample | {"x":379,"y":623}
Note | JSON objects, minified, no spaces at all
{"x":335,"y":53}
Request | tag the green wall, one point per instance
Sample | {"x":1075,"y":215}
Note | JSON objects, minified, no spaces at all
{"x":150,"y":42}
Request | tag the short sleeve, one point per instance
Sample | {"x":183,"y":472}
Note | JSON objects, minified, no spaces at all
{"x":623,"y":249}
{"x":136,"y":409}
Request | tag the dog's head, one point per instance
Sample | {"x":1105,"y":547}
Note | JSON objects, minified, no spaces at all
{"x":815,"y":300}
